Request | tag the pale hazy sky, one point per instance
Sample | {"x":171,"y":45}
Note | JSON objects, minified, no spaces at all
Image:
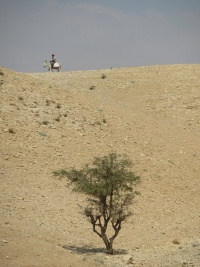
{"x":96,"y":34}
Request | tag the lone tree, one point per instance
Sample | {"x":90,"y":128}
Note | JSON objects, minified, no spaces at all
{"x":108,"y":182}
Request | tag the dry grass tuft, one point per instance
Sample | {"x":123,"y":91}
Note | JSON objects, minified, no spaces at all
{"x":176,"y":241}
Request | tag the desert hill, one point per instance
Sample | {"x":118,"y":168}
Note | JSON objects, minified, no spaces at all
{"x":50,"y":121}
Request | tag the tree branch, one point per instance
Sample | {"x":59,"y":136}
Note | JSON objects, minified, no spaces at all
{"x":94,"y":224}
{"x":117,"y":227}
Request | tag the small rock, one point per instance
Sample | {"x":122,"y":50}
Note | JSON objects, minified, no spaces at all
{"x":128,"y":259}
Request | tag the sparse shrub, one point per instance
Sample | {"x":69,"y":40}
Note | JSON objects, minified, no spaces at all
{"x":45,"y":122}
{"x":104,"y":120}
{"x":42,"y":134}
{"x":108,"y":182}
{"x":1,"y":73}
{"x":20,"y":98}
{"x":12,"y":104}
{"x":92,"y":87}
{"x":176,"y":241}
{"x":58,"y":105}
{"x":65,"y":114}
{"x":57,"y":119}
{"x":48,"y":102}
{"x":10,"y":130}
{"x":103,"y":76}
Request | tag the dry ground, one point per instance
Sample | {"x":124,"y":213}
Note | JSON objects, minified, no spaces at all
{"x":50,"y":121}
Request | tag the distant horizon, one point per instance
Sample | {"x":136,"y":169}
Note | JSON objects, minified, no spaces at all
{"x":144,"y":66}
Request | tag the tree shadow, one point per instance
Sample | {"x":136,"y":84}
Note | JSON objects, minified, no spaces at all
{"x":88,"y":250}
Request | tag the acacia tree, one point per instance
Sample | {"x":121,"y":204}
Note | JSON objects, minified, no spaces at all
{"x":108,"y":182}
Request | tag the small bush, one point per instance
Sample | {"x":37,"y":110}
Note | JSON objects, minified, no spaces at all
{"x":57,"y":119}
{"x":103,"y":76}
{"x":1,"y":73}
{"x":48,"y":102}
{"x":10,"y":130}
{"x":92,"y":87}
{"x":42,"y":134}
{"x":20,"y":98}
{"x":45,"y":122}
{"x":176,"y":242}
{"x":58,"y":105}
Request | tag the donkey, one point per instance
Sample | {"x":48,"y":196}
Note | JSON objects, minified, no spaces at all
{"x":56,"y":66}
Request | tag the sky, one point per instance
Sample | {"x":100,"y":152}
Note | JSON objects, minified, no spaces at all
{"x":98,"y":34}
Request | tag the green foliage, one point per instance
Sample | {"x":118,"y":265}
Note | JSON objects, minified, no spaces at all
{"x":109,"y":184}
{"x":103,"y":76}
{"x":42,"y":134}
{"x":92,"y":87}
{"x":10,"y":130}
{"x":58,"y":105}
{"x":45,"y":122}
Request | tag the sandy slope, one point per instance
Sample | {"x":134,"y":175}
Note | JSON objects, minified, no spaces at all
{"x":50,"y":121}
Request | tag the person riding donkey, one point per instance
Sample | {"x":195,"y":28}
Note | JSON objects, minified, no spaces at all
{"x":53,"y":61}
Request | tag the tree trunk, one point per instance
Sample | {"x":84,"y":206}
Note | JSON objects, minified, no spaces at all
{"x":109,"y":245}
{"x":109,"y":248}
